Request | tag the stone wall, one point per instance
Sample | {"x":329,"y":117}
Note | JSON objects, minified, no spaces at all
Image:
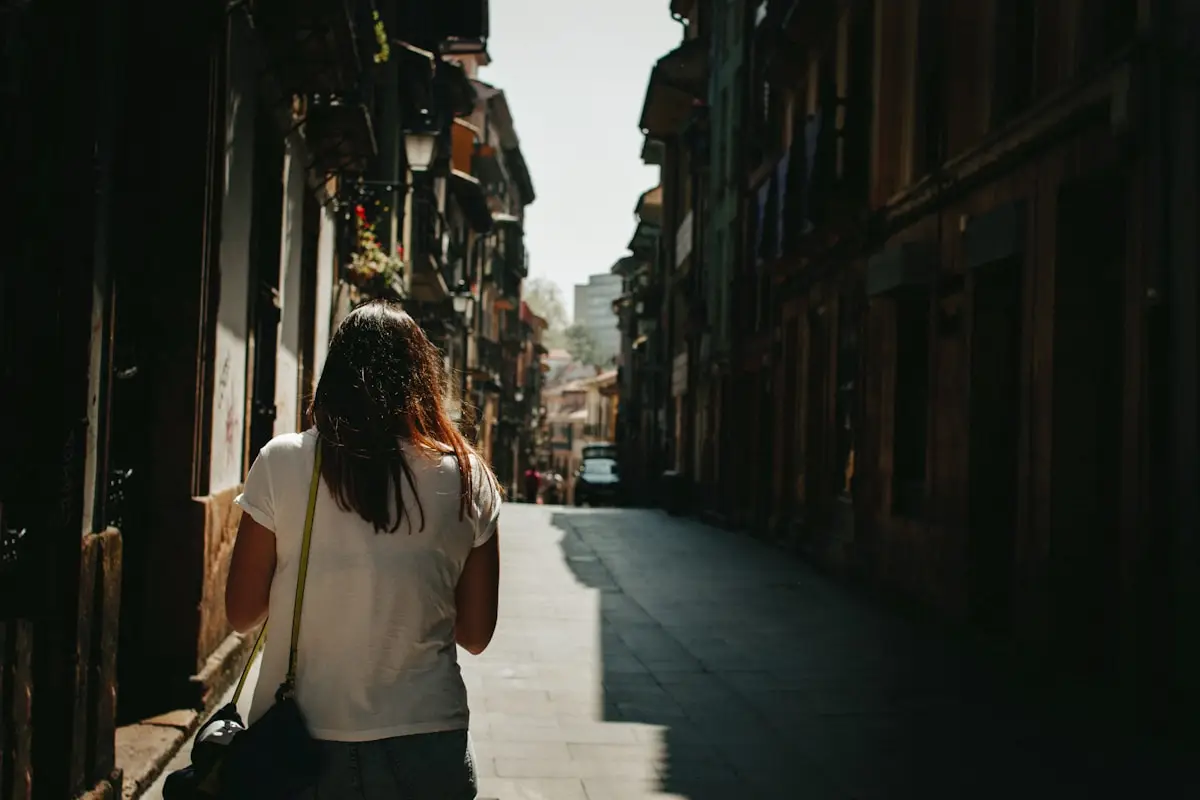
{"x":221,"y":520}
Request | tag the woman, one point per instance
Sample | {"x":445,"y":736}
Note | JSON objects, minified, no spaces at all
{"x":403,"y":564}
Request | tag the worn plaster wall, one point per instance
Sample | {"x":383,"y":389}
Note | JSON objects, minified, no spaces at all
{"x":326,"y":269}
{"x":221,"y":518}
{"x":287,"y":356}
{"x":229,"y":394}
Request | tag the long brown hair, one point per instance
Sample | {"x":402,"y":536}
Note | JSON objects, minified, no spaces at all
{"x":381,"y":386}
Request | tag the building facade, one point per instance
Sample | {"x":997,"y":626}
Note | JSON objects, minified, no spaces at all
{"x":498,"y":263}
{"x":594,"y":313}
{"x":225,"y":234}
{"x":960,"y":321}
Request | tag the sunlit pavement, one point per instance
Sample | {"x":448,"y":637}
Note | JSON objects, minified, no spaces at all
{"x":640,"y":655}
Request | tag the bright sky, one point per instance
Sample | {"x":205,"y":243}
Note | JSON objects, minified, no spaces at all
{"x":575,"y":74}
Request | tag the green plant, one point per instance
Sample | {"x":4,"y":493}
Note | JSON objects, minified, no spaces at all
{"x":381,"y":38}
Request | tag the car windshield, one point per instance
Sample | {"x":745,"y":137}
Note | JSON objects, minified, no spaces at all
{"x":599,"y":466}
{"x":607,"y":451}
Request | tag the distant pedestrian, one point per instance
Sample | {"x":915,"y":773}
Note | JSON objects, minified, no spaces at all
{"x":403,"y":565}
{"x":533,"y":481}
{"x":553,"y":492}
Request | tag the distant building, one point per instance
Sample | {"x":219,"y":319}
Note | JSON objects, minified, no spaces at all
{"x":594,"y":311}
{"x":579,"y":412}
{"x":561,"y":368}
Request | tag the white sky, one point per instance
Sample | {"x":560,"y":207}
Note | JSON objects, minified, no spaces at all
{"x":574,"y":73}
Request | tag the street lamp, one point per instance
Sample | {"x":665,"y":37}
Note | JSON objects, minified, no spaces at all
{"x":462,"y":303}
{"x":518,"y":395}
{"x":419,"y":149}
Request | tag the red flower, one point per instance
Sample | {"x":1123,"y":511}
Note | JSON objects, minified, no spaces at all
{"x":400,"y":250}
{"x":360,"y":211}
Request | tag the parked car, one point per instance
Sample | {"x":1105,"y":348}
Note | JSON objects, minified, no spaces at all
{"x":598,"y":482}
{"x":599,"y":450}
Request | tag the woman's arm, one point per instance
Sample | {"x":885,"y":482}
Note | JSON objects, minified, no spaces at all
{"x":248,"y":588}
{"x":477,"y":596}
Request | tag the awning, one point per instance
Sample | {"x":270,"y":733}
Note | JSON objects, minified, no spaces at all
{"x":645,"y":240}
{"x":678,"y":83}
{"x":469,"y":193}
{"x":652,"y":152}
{"x":625,"y":265}
{"x":649,"y":206}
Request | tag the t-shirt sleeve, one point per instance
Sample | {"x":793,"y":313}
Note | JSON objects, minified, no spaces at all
{"x":485,"y":503}
{"x":258,"y":497}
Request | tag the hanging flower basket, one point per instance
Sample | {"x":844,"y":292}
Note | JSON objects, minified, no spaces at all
{"x":372,"y":269}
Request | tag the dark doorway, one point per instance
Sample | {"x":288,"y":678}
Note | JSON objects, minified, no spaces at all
{"x":766,"y":451}
{"x":791,"y":411}
{"x":910,"y":431}
{"x":1089,"y":328}
{"x":265,"y":225}
{"x":816,"y":418}
{"x":995,"y":425}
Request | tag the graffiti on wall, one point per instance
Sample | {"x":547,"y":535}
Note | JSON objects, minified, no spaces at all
{"x":227,"y":410}
{"x":227,"y":416}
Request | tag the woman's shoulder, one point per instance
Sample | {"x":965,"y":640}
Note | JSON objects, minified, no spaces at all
{"x":286,"y":445}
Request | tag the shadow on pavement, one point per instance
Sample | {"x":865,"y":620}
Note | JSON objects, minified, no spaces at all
{"x":770,"y":680}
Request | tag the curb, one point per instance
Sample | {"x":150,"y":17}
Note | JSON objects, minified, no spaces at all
{"x":144,"y":749}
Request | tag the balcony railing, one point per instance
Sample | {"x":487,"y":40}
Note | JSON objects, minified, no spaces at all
{"x":316,"y":46}
{"x":508,"y":284}
{"x":489,"y":355}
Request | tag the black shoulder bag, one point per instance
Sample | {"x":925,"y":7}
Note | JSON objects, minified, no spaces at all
{"x":276,"y":757}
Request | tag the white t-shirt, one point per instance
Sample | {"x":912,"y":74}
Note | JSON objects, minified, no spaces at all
{"x":377,"y":656}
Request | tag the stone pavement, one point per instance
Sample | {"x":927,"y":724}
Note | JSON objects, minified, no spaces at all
{"x":644,"y":656}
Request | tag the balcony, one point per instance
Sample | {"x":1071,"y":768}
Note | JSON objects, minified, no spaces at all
{"x":510,"y":245}
{"x":485,"y":358}
{"x":427,"y":247}
{"x":509,"y":263}
{"x":339,"y":135}
{"x":513,"y":338}
{"x":315,"y":46}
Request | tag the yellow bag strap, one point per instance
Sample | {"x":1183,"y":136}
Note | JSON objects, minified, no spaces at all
{"x":289,"y":682}
{"x":302,"y":572}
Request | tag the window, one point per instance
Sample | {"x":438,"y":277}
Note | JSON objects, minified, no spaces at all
{"x":911,"y":420}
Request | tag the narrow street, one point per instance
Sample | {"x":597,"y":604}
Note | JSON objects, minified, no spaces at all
{"x":644,"y":656}
{"x":640,"y":655}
